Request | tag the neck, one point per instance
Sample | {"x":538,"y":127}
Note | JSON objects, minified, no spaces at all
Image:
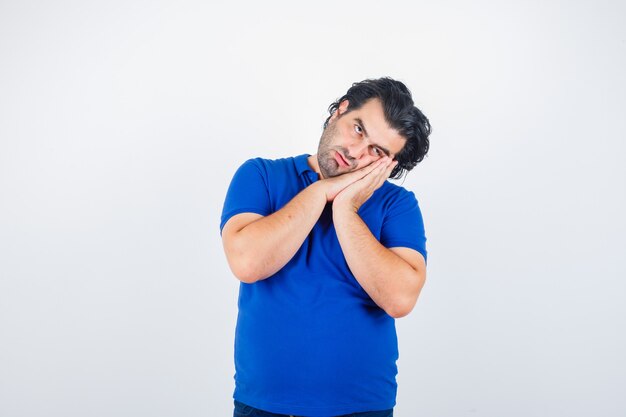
{"x":312,"y":160}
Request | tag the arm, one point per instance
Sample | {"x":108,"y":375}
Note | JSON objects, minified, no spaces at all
{"x":392,"y":277}
{"x":258,"y":246}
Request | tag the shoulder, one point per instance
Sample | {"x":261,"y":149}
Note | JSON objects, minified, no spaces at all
{"x":278,"y":176}
{"x":390,"y":194}
{"x":269,"y":166}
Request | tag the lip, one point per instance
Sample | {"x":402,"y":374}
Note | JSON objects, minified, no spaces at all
{"x":340,"y":159}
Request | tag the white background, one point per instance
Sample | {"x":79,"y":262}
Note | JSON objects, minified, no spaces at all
{"x":121,"y":124}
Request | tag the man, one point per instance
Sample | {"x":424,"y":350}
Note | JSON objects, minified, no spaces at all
{"x":328,"y":254}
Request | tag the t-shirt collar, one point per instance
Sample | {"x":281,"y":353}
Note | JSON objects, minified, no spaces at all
{"x":302,"y":164}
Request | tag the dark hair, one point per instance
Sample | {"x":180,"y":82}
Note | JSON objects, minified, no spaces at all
{"x":400,"y":113}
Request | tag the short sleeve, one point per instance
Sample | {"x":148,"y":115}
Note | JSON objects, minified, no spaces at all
{"x":403,"y":225}
{"x":247,"y":193}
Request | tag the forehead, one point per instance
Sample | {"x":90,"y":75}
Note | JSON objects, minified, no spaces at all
{"x":379,"y":132}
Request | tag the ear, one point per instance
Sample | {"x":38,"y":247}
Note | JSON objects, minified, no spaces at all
{"x":343,"y":106}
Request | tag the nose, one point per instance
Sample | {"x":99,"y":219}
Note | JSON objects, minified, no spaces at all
{"x":358,"y":149}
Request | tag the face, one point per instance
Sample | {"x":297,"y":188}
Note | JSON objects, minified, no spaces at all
{"x":355,"y":139}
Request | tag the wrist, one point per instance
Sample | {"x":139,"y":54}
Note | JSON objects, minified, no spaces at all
{"x":320,"y":189}
{"x":342,"y":207}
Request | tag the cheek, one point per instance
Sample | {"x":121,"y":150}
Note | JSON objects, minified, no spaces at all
{"x":347,"y":133}
{"x":367,"y":160}
{"x":342,"y":136}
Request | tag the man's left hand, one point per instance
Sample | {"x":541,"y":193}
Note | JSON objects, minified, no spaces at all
{"x":357,"y":193}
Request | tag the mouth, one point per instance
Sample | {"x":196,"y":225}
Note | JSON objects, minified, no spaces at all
{"x":341,"y":160}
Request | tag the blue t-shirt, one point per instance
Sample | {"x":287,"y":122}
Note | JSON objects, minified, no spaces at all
{"x":309,"y":340}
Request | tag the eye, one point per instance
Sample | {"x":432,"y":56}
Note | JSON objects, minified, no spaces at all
{"x":377,"y":151}
{"x":358,"y":129}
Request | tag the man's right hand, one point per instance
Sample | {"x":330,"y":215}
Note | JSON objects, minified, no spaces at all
{"x":334,"y":185}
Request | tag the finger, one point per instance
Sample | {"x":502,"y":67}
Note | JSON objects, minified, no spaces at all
{"x":371,"y":178}
{"x":384,"y":167}
{"x":384,"y":173}
{"x":390,"y":168}
{"x":377,"y":164}
{"x":380,"y":180}
{"x":360,"y":173}
{"x":379,"y":170}
{"x":372,"y":181}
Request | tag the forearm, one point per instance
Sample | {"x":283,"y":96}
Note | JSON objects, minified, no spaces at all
{"x":264,"y":246}
{"x":389,"y":280}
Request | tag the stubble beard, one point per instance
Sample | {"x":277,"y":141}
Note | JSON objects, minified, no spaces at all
{"x":329,"y":167}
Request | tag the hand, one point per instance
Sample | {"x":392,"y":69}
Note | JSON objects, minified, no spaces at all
{"x":332,"y":186}
{"x":358,"y":192}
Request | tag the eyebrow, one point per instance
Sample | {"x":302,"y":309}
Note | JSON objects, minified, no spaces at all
{"x":360,"y":122}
